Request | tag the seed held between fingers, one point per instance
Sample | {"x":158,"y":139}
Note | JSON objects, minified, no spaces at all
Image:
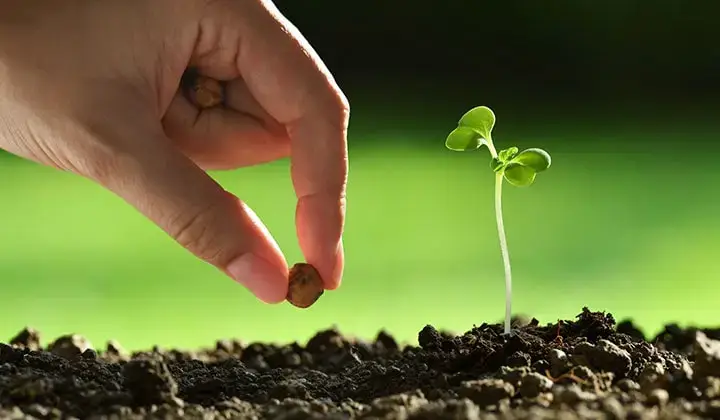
{"x":306,"y":285}
{"x":203,"y":91}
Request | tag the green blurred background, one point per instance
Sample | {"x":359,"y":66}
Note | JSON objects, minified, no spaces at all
{"x":622,"y":93}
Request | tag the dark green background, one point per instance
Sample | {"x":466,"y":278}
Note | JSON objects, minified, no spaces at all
{"x":623,"y":94}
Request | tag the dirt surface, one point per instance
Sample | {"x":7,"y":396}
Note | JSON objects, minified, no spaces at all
{"x":588,"y":367}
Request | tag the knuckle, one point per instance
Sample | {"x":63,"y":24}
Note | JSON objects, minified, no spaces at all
{"x":101,"y":151}
{"x":344,"y":104}
{"x":339,"y":107}
{"x":194,"y":231}
{"x":100,"y":163}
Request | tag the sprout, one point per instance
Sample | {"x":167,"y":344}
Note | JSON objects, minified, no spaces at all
{"x":519,"y":168}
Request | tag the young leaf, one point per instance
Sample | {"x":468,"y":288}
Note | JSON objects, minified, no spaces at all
{"x":463,"y":139}
{"x":519,"y":175}
{"x":507,"y":154}
{"x":537,"y":159}
{"x":480,"y":119}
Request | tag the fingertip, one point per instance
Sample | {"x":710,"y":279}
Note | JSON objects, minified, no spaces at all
{"x":330,"y":266}
{"x":266,"y":281}
{"x":263,"y":270}
{"x":333,"y":273}
{"x":320,"y":222}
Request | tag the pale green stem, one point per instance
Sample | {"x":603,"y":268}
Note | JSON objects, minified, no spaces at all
{"x":491,"y":146}
{"x":503,"y":249}
{"x":503,"y":240}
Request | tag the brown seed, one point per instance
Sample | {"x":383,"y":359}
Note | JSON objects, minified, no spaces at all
{"x":305,"y":286}
{"x":206,"y":92}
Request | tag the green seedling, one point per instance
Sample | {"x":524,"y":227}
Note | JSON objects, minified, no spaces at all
{"x":474,"y":130}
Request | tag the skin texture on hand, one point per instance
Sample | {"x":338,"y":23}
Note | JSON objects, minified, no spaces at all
{"x":93,"y":87}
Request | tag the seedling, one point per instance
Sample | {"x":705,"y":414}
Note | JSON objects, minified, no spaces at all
{"x":519,"y":168}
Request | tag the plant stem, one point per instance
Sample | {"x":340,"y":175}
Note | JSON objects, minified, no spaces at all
{"x":503,"y":239}
{"x":491,"y":147}
{"x":503,"y":249}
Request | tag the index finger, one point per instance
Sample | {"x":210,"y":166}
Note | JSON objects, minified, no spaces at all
{"x":290,"y":81}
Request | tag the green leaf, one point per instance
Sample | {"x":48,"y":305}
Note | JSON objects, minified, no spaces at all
{"x":463,"y":139}
{"x":519,"y":175}
{"x":507,"y":154}
{"x":480,"y":119}
{"x":538,"y":159}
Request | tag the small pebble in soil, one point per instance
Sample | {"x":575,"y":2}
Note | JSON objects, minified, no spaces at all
{"x":28,"y":338}
{"x":605,"y":356}
{"x":707,"y":355}
{"x":305,"y":285}
{"x":559,"y":362}
{"x":114,"y":349}
{"x":70,"y":346}
{"x":533,"y":384}
{"x":149,"y":381}
{"x":485,"y":392}
{"x":658,"y":397}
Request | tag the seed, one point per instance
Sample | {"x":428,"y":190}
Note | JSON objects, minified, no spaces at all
{"x":305,"y":286}
{"x":203,"y":91}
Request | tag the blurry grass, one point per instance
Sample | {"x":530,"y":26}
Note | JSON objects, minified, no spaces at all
{"x":628,"y":232}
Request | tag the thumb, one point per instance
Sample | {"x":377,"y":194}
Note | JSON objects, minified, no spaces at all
{"x":184,"y":201}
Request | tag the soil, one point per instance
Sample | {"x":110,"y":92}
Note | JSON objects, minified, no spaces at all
{"x":589,"y":367}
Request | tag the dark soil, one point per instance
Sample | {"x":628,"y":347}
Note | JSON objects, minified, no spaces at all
{"x":583,"y":368}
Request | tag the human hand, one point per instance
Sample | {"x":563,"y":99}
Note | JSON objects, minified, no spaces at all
{"x":92,"y":87}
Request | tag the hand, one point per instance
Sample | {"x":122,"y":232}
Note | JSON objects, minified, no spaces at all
{"x":92,"y":87}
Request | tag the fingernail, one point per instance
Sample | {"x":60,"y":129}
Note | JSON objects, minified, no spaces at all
{"x":267,"y":282}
